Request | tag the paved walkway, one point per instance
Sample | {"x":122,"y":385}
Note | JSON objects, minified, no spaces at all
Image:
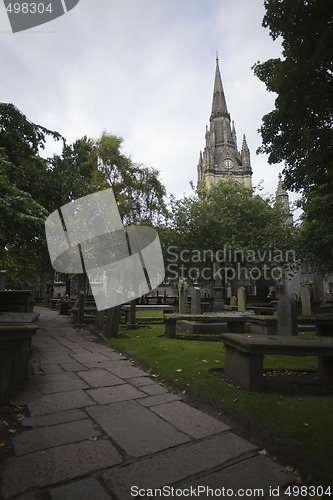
{"x":102,"y":429}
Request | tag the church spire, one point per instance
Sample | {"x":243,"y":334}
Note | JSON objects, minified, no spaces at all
{"x":219,"y":106}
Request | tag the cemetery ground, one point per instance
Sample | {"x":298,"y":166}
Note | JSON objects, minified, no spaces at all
{"x":290,"y":420}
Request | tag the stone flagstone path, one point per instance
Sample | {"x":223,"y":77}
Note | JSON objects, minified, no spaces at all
{"x":100,"y":429}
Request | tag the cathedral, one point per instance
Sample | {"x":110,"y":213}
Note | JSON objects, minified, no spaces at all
{"x":221,"y":158}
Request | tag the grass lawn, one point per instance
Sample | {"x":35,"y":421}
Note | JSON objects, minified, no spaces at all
{"x":304,"y":420}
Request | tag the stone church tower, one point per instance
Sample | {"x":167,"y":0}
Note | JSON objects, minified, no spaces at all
{"x":221,"y":158}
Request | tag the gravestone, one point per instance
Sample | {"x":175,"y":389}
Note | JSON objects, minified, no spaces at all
{"x":3,"y":280}
{"x":195,"y":301}
{"x":182,"y":294}
{"x":132,"y":325}
{"x":218,"y":304}
{"x":327,"y":297}
{"x":81,"y":304}
{"x":99,"y":321}
{"x":233,"y":301}
{"x":111,"y":327}
{"x":306,"y":299}
{"x":242,"y":302}
{"x":287,"y":316}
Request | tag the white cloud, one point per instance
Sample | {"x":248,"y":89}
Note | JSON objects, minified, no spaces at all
{"x":144,"y":69}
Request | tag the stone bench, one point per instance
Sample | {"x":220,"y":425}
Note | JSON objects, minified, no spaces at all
{"x":234,"y":323}
{"x":245,"y":354}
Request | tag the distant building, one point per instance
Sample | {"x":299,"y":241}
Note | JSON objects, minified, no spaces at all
{"x":221,"y":158}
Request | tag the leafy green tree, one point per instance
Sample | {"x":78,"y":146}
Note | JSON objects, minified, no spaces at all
{"x":23,"y":194}
{"x":138,"y":190}
{"x":299,"y":131}
{"x":229,"y":225}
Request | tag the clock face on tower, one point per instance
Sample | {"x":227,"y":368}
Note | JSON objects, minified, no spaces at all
{"x":227,"y":163}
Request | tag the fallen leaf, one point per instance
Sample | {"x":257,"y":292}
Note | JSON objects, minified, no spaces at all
{"x":42,"y":452}
{"x":306,"y":424}
{"x":204,"y":361}
{"x":179,"y":370}
{"x":12,"y":431}
{"x":262,"y":452}
{"x":184,"y":392}
{"x":217,"y":361}
{"x":2,"y":444}
{"x":289,"y":468}
{"x":236,"y":399}
{"x":93,"y":438}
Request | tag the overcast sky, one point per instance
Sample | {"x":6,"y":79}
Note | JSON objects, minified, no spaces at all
{"x":144,"y":70}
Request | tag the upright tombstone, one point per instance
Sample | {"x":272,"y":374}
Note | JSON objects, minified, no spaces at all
{"x":233,"y":301}
{"x":132,"y":325}
{"x":241,"y":296}
{"x":81,"y":304}
{"x":99,"y":321}
{"x":182,"y":294}
{"x":218,"y":304}
{"x":306,"y":299}
{"x":111,"y":328}
{"x":287,"y":316}
{"x":195,"y":301}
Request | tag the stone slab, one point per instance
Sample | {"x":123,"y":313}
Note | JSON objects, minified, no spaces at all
{"x":135,"y":429}
{"x":153,"y":390}
{"x":53,"y":418}
{"x":122,"y":369}
{"x":193,"y":422}
{"x":89,"y":357}
{"x":73,"y":366}
{"x":59,"y":464}
{"x":54,"y":435}
{"x":56,"y":359}
{"x":62,"y":386}
{"x":112,"y":394}
{"x":100,"y":378}
{"x":51,"y":368}
{"x":61,"y":401}
{"x":159,"y":399}
{"x":257,"y":473}
{"x":178,"y":464}
{"x":86,"y":489}
{"x":141,"y":381}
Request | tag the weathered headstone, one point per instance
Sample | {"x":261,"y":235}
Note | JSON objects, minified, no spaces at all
{"x":306,"y":299}
{"x":241,"y":296}
{"x":287,"y":316}
{"x":182,"y":294}
{"x":3,"y":280}
{"x":99,"y":321}
{"x":218,"y":304}
{"x":111,"y":327}
{"x":233,"y":301}
{"x":195,"y":301}
{"x":132,"y":324}
{"x":81,"y":304}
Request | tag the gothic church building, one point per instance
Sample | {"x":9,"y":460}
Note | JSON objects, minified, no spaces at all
{"x":221,"y":158}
